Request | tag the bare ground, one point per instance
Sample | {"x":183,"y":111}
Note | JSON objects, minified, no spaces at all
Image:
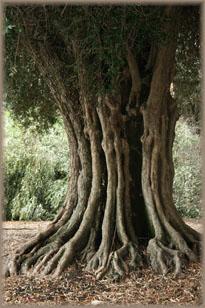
{"x":76,"y":286}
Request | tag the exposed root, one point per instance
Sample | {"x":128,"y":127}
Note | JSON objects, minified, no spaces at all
{"x":99,"y":263}
{"x":164,"y":259}
{"x":115,"y":264}
{"x":42,"y":262}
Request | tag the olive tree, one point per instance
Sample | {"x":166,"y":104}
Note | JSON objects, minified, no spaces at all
{"x":108,"y":71}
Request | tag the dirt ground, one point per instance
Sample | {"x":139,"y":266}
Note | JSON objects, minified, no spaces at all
{"x":76,"y":286}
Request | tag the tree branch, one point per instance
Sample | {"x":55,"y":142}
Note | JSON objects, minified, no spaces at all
{"x":136,"y":82}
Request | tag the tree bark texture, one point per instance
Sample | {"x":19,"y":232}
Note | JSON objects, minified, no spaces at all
{"x":119,"y":197}
{"x":172,"y":237}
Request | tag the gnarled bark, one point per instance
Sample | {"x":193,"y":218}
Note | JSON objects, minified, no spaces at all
{"x":172,"y":238}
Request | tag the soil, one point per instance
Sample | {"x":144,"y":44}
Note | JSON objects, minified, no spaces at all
{"x":75,"y":286}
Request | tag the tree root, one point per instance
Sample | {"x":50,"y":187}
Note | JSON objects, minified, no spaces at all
{"x":164,"y":259}
{"x":114,"y":264}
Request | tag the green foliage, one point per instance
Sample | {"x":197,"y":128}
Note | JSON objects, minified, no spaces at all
{"x":26,"y":94}
{"x":187,"y":161}
{"x":92,"y":39}
{"x":36,"y":168}
{"x":102,"y":34}
{"x":187,"y":81}
{"x":187,"y":87}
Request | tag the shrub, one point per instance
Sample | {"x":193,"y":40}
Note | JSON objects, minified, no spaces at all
{"x":36,"y":169}
{"x":187,"y":161}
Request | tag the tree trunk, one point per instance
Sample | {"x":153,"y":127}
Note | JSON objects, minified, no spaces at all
{"x":104,"y":221}
{"x":119,"y":197}
{"x":172,"y":238}
{"x":98,"y":221}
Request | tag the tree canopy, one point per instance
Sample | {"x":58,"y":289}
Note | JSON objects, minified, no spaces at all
{"x":101,"y":33}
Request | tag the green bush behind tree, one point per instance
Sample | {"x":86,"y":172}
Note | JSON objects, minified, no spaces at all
{"x":187,"y":162}
{"x":36,"y":170}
